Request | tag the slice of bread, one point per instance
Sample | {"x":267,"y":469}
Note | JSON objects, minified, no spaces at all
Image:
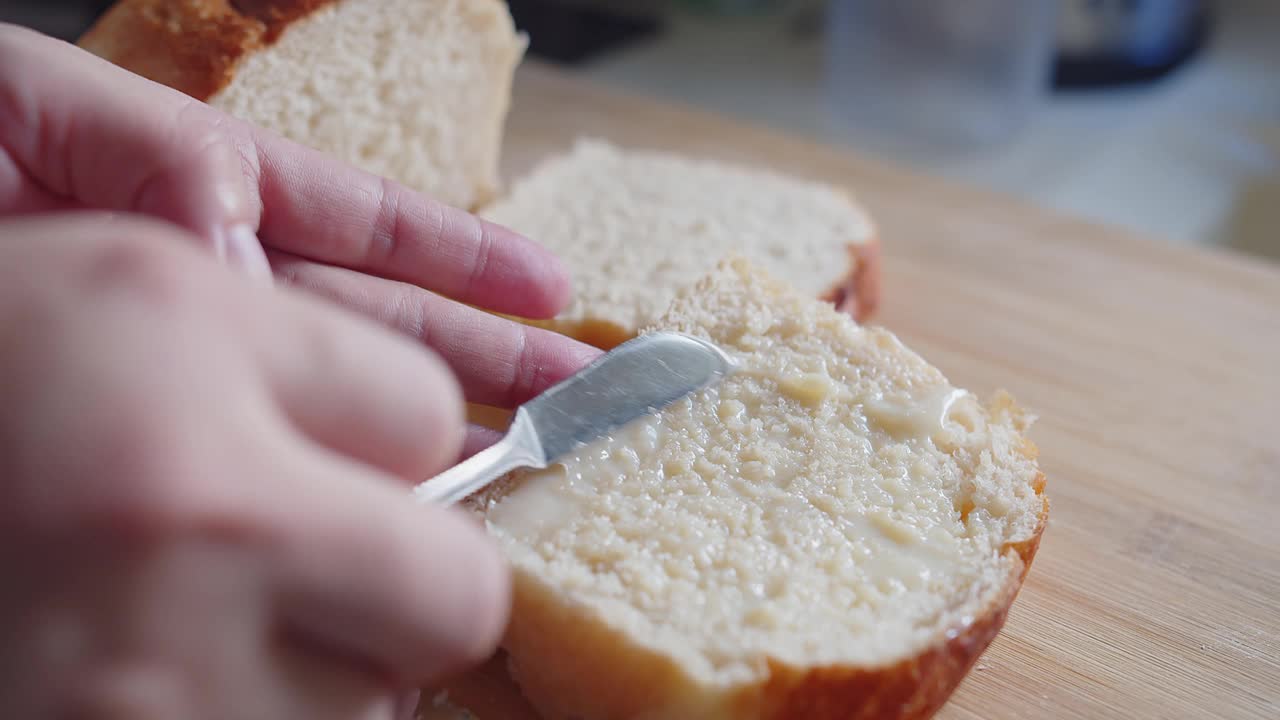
{"x":486,"y":692}
{"x":835,"y":531}
{"x":413,"y":90}
{"x":635,"y":225}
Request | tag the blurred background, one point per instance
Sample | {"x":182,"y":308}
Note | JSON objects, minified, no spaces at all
{"x":1161,"y":116}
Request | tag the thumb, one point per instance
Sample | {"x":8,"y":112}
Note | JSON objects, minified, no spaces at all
{"x":87,"y":131}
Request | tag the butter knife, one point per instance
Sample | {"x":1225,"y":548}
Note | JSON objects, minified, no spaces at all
{"x":638,"y":378}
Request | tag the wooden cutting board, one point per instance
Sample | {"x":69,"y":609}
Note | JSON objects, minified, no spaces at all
{"x":1155,"y":371}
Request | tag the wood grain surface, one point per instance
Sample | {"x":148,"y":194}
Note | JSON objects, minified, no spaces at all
{"x":1154,"y":370}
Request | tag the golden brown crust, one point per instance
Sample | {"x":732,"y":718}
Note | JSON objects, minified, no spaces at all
{"x":858,"y":293}
{"x":564,"y":686}
{"x":193,"y":46}
{"x":867,"y":274}
{"x":910,"y":690}
{"x":276,"y":15}
{"x":490,"y":417}
{"x":913,"y":689}
{"x":487,"y":692}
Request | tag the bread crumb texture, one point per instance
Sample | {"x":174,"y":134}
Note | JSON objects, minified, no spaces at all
{"x":634,"y":226}
{"x":413,"y":90}
{"x":836,"y":506}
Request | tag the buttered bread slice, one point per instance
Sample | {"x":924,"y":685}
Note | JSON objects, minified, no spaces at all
{"x":833,"y":532}
{"x":636,"y":225}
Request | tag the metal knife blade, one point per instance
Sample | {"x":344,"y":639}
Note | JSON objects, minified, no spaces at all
{"x":637,"y":378}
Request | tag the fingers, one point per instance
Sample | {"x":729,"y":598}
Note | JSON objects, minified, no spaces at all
{"x":478,"y":438}
{"x":344,"y":382}
{"x":303,"y":683}
{"x":20,"y":195}
{"x":90,"y":132}
{"x":362,"y":391}
{"x":319,"y":209}
{"x":366,"y":574}
{"x":406,"y":706}
{"x":86,"y":131}
{"x":497,"y":361}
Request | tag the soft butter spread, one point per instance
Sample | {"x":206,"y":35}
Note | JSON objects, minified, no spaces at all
{"x":659,"y":455}
{"x":923,"y":418}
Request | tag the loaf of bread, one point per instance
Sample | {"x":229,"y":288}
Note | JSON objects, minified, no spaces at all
{"x":635,"y":225}
{"x":835,"y":531}
{"x":412,"y":90}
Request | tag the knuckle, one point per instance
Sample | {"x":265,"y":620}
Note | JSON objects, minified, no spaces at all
{"x":384,"y":243}
{"x":483,"y":617}
{"x":206,"y":143}
{"x":327,"y":349}
{"x":196,"y":129}
{"x":128,"y":473}
{"x":141,"y":262}
{"x":138,"y":693}
{"x":148,"y":486}
{"x":442,"y":384}
{"x":416,"y":311}
{"x":483,"y":251}
{"x":442,"y":409}
{"x":16,"y":108}
{"x":196,"y":154}
{"x":526,"y":371}
{"x":495,"y":608}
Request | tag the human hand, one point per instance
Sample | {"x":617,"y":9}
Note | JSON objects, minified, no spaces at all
{"x":78,"y":132}
{"x":204,"y":503}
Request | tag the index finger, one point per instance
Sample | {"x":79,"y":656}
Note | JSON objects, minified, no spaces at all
{"x":84,"y":133}
{"x":98,"y":134}
{"x":320,"y":209}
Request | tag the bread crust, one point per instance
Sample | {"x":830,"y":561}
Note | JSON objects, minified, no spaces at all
{"x":858,"y":292}
{"x":565,"y":687}
{"x":193,"y":46}
{"x":914,"y":689}
{"x":486,"y":692}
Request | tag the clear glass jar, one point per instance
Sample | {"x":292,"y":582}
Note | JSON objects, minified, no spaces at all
{"x":927,"y":76}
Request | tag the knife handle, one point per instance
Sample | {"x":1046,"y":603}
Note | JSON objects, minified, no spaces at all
{"x":519,"y":448}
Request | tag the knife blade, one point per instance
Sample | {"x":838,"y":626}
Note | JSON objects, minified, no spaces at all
{"x":638,"y":378}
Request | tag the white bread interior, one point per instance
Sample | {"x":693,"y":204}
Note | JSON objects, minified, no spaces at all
{"x":413,"y":90}
{"x":634,"y":226}
{"x":834,"y":531}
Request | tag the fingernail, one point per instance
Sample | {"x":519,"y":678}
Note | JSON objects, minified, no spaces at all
{"x":243,"y":250}
{"x":406,"y":707}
